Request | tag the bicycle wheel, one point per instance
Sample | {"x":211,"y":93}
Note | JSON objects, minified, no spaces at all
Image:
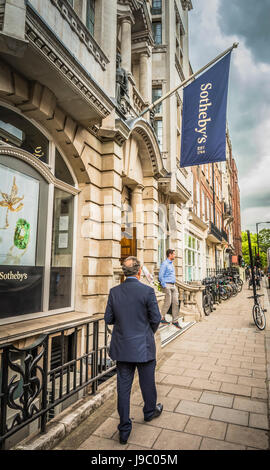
{"x":212,"y":301}
{"x":234,"y":290}
{"x":229,"y":290}
{"x":207,"y":305}
{"x":223,"y":294}
{"x":239,"y":286}
{"x":259,"y":316}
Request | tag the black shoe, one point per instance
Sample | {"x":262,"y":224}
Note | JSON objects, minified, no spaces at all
{"x":156,"y":413}
{"x":122,"y":441}
{"x":163,"y":321}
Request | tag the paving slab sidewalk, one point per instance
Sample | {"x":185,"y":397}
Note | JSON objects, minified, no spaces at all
{"x":214,"y":385}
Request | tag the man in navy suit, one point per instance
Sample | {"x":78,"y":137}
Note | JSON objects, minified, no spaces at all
{"x":133,"y":310}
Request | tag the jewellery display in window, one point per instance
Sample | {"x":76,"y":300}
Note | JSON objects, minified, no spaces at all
{"x":10,"y":200}
{"x":22,"y":234}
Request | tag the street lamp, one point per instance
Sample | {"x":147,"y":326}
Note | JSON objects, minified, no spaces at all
{"x":258,"y":223}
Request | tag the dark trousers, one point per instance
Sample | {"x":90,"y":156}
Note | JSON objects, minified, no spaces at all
{"x":125,"y":376}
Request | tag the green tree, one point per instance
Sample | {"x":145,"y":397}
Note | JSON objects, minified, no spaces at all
{"x":264,"y":239}
{"x":254,"y":247}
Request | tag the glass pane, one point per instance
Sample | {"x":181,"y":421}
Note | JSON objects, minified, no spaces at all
{"x":23,"y":214}
{"x":157,"y":32}
{"x":158,"y":131}
{"x":156,"y":7}
{"x":90,"y":15}
{"x":18,"y":217}
{"x":16,"y":130}
{"x":193,"y":243}
{"x":189,"y":241}
{"x":62,"y":249}
{"x":156,"y":94}
{"x":61,"y":170}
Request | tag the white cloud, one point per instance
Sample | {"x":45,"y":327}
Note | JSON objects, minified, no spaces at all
{"x":252,"y":215}
{"x":257,"y":182}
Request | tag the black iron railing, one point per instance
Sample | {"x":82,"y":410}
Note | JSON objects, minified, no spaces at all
{"x":211,"y":272}
{"x":31,"y":388}
{"x":215,"y":231}
{"x":224,"y":235}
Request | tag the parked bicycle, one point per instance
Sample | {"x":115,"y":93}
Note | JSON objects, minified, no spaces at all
{"x":258,"y":312}
{"x":208,"y":298}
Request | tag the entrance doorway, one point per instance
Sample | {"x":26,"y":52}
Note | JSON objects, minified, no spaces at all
{"x":128,"y":231}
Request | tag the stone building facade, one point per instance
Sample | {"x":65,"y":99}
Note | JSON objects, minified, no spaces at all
{"x":84,"y":179}
{"x":213,"y":226}
{"x":74,"y":78}
{"x":237,"y":235}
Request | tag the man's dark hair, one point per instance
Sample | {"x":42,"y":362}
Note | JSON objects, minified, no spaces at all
{"x":169,"y":252}
{"x":131,"y":266}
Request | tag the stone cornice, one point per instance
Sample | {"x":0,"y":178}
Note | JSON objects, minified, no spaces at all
{"x":39,"y":166}
{"x":148,"y":22}
{"x":73,"y":73}
{"x":133,"y":4}
{"x":178,"y":16}
{"x":144,"y":130}
{"x":143,"y":36}
{"x":179,"y":68}
{"x":82,"y":32}
{"x":197,"y":221}
{"x":159,"y":48}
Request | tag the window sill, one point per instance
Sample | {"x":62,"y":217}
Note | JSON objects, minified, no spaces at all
{"x":25,"y":328}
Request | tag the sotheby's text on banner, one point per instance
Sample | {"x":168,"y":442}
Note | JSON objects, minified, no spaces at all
{"x":204,"y":116}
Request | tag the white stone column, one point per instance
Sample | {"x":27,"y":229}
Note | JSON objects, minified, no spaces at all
{"x":105,"y":35}
{"x":144,"y":76}
{"x":126,"y":44}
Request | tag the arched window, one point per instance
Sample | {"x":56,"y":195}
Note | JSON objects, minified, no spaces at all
{"x":37,"y":208}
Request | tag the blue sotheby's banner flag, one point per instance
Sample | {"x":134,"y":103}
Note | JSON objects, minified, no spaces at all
{"x":204,"y":116}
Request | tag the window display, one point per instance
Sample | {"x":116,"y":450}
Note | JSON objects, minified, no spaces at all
{"x":62,"y":243}
{"x":18,"y":218}
{"x":37,"y":194}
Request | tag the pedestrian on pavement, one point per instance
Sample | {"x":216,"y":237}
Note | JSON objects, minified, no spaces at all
{"x":133,"y":310}
{"x":247,"y":272}
{"x":167,"y":281}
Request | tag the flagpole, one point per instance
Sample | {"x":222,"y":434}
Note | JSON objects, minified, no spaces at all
{"x":171,"y":92}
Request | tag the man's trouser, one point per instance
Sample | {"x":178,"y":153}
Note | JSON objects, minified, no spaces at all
{"x":125,"y":376}
{"x":171,"y":297}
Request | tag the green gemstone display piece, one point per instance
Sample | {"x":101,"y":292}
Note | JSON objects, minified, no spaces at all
{"x":21,"y":235}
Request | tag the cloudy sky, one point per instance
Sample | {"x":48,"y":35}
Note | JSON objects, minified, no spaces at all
{"x":214,"y":26}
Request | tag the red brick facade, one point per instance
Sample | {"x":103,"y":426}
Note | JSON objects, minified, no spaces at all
{"x":237,"y":239}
